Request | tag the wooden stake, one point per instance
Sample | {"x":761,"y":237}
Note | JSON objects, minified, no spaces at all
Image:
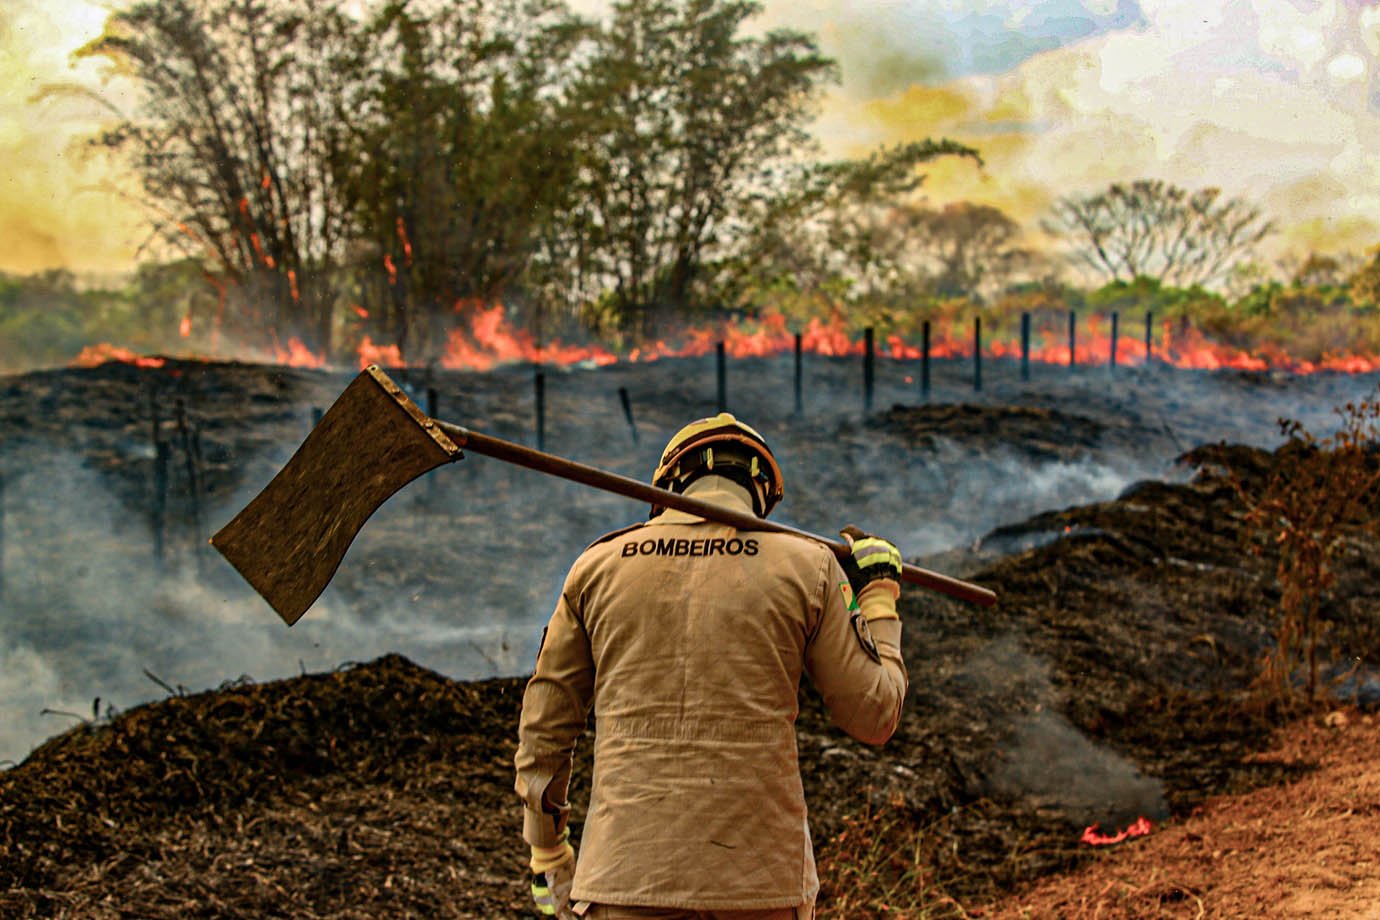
{"x":722,"y":375}
{"x":977,"y":353}
{"x":539,"y":384}
{"x":627,"y":411}
{"x":869,"y":369}
{"x":2,"y":537}
{"x":799,"y":398}
{"x":925,"y":360}
{"x":1025,"y":346}
{"x":1115,"y":319}
{"x":1073,"y":321}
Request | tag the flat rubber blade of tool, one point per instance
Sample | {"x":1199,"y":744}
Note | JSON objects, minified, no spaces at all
{"x":372,"y":441}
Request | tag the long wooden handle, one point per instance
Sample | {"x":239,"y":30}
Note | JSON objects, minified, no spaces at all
{"x":543,"y":462}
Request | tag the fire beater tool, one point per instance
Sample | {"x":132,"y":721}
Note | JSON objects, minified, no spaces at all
{"x":289,"y":540}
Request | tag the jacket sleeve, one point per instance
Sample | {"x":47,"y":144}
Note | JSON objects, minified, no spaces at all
{"x":854,"y":657}
{"x":555,"y":708}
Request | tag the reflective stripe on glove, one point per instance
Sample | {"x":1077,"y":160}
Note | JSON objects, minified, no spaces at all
{"x":553,"y":874}
{"x":872,"y":558}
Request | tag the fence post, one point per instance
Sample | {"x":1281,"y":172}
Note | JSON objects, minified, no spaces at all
{"x":2,"y":536}
{"x":977,"y":353}
{"x":721,"y":370}
{"x":925,"y":360}
{"x":1115,"y":318}
{"x":799,"y":400}
{"x":1025,"y":346}
{"x":190,"y":434}
{"x":539,"y":383}
{"x":627,"y":411}
{"x":433,"y":409}
{"x":869,"y":370}
{"x":1073,"y":321}
{"x":161,"y":456}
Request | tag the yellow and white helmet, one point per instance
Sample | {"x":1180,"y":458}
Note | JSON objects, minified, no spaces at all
{"x":727,"y":447}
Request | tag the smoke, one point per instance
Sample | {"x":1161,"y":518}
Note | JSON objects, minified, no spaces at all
{"x":1041,"y":756}
{"x":461,"y":569}
{"x":88,"y":614}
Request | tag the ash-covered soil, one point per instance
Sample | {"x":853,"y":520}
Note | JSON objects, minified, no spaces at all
{"x":1107,"y":683}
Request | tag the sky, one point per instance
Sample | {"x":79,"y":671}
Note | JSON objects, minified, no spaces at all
{"x":1274,"y":101}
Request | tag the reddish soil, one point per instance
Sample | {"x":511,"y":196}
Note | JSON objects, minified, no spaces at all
{"x":1308,"y":848}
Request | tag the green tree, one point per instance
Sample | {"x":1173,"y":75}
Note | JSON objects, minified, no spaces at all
{"x":691,"y":123}
{"x":834,"y":236}
{"x":44,"y":320}
{"x":1157,"y":230}
{"x":974,"y":248}
{"x":461,"y":150}
{"x":239,"y":117}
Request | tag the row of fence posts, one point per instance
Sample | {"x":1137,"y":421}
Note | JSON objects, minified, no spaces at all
{"x":188,"y":433}
{"x":721,"y":379}
{"x":869,"y":368}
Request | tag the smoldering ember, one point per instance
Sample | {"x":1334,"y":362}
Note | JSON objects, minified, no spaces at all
{"x":202,"y":759}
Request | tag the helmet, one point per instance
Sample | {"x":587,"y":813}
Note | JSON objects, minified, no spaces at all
{"x":727,"y":447}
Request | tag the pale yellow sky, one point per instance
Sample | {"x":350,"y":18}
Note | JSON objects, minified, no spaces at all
{"x":1272,"y":100}
{"x":58,"y":202}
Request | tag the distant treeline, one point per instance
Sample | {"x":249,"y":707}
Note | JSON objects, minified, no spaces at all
{"x":1324,"y":308}
{"x":330,"y":175}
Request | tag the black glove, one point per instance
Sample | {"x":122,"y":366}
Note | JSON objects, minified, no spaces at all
{"x":872,"y":558}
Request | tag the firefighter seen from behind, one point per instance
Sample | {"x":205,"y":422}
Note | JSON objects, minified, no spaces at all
{"x":688,"y":640}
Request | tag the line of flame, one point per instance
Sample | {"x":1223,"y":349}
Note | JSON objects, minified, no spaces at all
{"x":490,"y":340}
{"x":1139,"y":828}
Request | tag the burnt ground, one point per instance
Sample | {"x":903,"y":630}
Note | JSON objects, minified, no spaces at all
{"x":1109,"y":682}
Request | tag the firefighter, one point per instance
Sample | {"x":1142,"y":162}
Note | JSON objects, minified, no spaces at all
{"x":688,"y":638}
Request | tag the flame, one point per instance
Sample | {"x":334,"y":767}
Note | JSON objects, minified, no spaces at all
{"x":184,"y":328}
{"x":406,"y":243}
{"x":382,"y":355}
{"x":298,"y":355}
{"x":489,"y":340}
{"x":1139,"y":828}
{"x":359,"y":311}
{"x":392,"y":269}
{"x":104,"y":352}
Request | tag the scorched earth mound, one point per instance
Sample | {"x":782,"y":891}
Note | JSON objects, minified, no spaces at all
{"x":1108,"y":684}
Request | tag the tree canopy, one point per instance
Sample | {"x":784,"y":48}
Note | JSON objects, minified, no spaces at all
{"x":1154,"y":229}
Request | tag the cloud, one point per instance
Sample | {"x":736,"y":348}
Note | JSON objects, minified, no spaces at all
{"x":58,"y":201}
{"x":885,"y":47}
{"x":1270,"y":100}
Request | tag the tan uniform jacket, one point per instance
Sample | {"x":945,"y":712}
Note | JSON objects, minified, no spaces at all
{"x":689,"y":638}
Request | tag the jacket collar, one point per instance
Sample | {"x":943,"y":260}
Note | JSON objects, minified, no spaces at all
{"x":713,"y":489}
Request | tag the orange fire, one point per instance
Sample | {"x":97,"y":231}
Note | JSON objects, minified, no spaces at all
{"x":103,"y":352}
{"x":1139,"y":828}
{"x":298,"y":355}
{"x":489,"y":340}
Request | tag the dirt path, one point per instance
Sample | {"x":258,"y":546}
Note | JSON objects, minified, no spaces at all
{"x":1307,"y":849}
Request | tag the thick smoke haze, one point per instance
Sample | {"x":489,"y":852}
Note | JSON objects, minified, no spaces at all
{"x":460,"y":570}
